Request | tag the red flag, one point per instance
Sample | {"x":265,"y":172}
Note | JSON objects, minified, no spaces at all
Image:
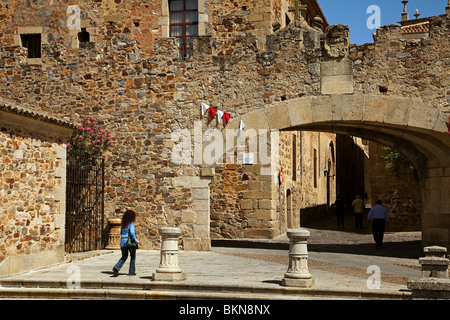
{"x":212,"y":112}
{"x":226,"y":118}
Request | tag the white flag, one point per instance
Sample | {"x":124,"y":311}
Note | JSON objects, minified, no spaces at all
{"x":241,"y":125}
{"x":219,"y":115}
{"x":205,"y":108}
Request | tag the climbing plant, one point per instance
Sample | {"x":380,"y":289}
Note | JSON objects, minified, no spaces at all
{"x":396,"y":162}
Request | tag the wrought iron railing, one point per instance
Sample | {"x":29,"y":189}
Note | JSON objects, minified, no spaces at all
{"x":84,"y":202}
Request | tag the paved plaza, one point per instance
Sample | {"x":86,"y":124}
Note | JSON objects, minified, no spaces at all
{"x":237,"y":269}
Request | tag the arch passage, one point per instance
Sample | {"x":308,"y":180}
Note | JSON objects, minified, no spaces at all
{"x":417,"y":130}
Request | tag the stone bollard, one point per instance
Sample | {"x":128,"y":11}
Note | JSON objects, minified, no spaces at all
{"x":168,"y":269}
{"x":298,"y":274}
{"x":435,"y":283}
{"x":114,"y":234}
{"x":434,"y":264}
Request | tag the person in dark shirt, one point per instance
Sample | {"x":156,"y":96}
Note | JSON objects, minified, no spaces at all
{"x":379,"y":216}
{"x":340,"y":211}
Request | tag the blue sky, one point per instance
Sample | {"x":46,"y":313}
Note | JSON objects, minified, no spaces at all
{"x":353,"y":13}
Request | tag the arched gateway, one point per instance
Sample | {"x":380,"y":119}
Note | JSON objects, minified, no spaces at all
{"x":407,"y":124}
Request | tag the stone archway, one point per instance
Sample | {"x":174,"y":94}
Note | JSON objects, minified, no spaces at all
{"x":407,"y":124}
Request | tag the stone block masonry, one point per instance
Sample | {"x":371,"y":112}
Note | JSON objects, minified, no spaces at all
{"x":136,"y":85}
{"x":196,"y":218}
{"x":32,"y":189}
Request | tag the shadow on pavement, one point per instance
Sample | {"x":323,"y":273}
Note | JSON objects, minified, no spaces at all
{"x":408,"y":250}
{"x":327,"y":237}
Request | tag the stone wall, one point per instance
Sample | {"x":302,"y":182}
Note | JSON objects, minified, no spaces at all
{"x":143,"y":93}
{"x":137,"y":20}
{"x":142,"y":101}
{"x":396,"y":66}
{"x":145,"y":22}
{"x":400,"y":194}
{"x":32,"y":189}
{"x":307,"y":196}
{"x":227,"y":202}
{"x":352,"y":158}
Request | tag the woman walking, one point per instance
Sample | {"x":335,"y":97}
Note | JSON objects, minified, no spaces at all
{"x":127,"y":231}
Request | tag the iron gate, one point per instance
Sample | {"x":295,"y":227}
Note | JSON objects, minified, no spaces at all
{"x":84,"y":202}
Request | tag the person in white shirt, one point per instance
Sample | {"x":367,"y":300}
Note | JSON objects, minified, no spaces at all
{"x":379,"y":216}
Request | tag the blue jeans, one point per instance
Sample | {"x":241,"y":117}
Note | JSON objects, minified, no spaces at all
{"x":119,"y":264}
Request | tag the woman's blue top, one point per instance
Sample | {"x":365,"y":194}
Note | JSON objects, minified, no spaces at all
{"x":124,"y":234}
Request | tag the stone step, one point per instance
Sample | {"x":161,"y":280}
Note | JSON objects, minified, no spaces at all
{"x":113,"y":294}
{"x":38,"y":289}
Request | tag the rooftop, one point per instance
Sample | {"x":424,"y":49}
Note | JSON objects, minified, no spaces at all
{"x":421,"y":27}
{"x":8,"y":106}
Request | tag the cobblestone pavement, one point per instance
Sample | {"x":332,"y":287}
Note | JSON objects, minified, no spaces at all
{"x":349,"y":252}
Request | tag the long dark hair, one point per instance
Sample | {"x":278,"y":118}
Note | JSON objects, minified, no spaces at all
{"x":128,"y":217}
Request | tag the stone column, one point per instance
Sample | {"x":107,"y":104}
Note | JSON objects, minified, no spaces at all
{"x":114,"y":234}
{"x":168,"y":269}
{"x":436,"y":207}
{"x":298,"y":274}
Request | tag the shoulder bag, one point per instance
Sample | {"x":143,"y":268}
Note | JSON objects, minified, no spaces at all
{"x":130,"y":243}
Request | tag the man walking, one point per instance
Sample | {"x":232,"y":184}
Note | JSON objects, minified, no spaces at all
{"x":358,"y":209}
{"x":379,"y":217}
{"x":340,"y":211}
